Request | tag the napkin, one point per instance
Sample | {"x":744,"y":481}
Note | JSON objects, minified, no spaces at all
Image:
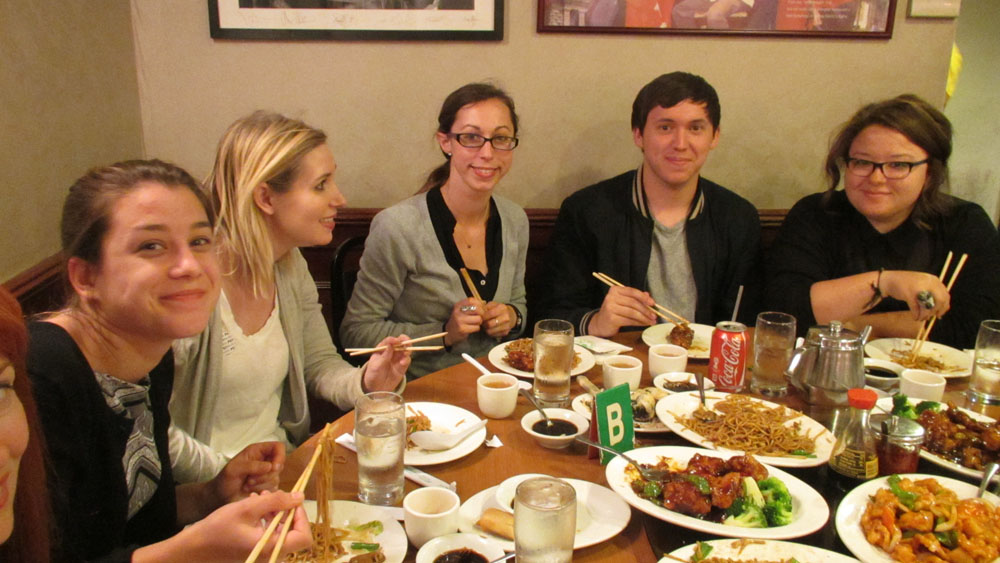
{"x":412,"y":473}
{"x":601,"y":347}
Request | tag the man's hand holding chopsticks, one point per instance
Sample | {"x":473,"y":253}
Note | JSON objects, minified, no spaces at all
{"x":622,"y":306}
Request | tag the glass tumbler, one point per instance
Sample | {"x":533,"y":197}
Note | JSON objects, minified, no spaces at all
{"x":544,"y":521}
{"x":773,"y":342}
{"x":380,"y":437}
{"x":984,"y":386}
{"x":553,"y":347}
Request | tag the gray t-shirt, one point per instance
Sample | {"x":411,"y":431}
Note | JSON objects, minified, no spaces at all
{"x":671,"y":282}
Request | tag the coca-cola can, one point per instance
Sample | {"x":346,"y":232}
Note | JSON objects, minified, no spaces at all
{"x":727,"y":363}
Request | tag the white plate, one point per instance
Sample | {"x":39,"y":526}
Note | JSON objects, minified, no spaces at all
{"x":683,"y":404}
{"x":882,"y":348}
{"x":346,"y":512}
{"x":444,"y":418}
{"x":499,"y":352}
{"x":660,"y":381}
{"x":852,"y":508}
{"x":762,"y":550}
{"x":886,"y":405}
{"x":486,"y":547}
{"x":581,"y":404}
{"x":605,"y":514}
{"x":810,"y":511}
{"x":700,"y":346}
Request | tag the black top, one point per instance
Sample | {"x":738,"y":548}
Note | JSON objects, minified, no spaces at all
{"x":820,"y":242}
{"x":86,"y":443}
{"x":607,"y":228}
{"x":444,"y":228}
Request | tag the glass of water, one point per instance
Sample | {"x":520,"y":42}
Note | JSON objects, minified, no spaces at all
{"x":380,"y":436}
{"x":773,"y":341}
{"x":544,"y":521}
{"x":553,"y":347}
{"x":984,"y":387}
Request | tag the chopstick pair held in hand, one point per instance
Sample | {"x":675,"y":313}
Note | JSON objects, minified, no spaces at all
{"x":925,"y":328}
{"x":405,"y":345}
{"x":657,"y":309}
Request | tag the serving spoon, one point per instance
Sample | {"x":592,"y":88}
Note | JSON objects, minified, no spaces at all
{"x":531,"y":398}
{"x":476,"y":363}
{"x":988,"y":474}
{"x":434,"y":441}
{"x":646,"y":472}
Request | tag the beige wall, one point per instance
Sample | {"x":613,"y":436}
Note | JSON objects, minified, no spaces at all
{"x":975,"y":166}
{"x":68,"y":101}
{"x":379,"y":100}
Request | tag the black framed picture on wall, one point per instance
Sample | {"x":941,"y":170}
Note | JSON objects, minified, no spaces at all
{"x":428,"y":20}
{"x":862,"y":19}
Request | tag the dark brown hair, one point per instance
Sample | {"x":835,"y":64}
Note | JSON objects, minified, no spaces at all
{"x":30,"y":538}
{"x":468,"y":94}
{"x":86,"y":214}
{"x":924,"y":126}
{"x":668,"y":90}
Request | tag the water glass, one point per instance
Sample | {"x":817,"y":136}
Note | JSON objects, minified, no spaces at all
{"x":984,"y":387}
{"x":773,"y":341}
{"x":544,"y":521}
{"x":380,"y":436}
{"x":553,"y":346}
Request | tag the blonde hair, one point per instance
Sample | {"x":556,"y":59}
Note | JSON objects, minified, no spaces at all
{"x":261,"y":148}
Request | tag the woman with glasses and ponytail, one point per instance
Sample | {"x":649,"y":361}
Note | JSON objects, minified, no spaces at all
{"x":410,"y":279}
{"x":871,"y":254}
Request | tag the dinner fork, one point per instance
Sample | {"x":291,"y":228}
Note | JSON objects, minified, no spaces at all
{"x":647,"y":473}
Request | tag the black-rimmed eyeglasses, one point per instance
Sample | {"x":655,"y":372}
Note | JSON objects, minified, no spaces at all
{"x":896,"y":170}
{"x":474,"y":141}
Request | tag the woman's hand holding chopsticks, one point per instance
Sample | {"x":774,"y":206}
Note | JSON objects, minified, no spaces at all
{"x":387,"y":367}
{"x":906,"y":286}
{"x":498,"y":319}
{"x":466,"y":318}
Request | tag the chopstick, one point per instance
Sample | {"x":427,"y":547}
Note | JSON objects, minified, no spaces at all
{"x":289,"y":514}
{"x":925,"y":328}
{"x":470,"y":285}
{"x":402,"y":345}
{"x":657,"y":309}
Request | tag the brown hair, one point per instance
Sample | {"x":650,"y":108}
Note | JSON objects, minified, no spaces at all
{"x":468,"y":94}
{"x":30,"y":538}
{"x":924,"y":126}
{"x":263,"y":147}
{"x":86,"y":214}
{"x":668,"y":90}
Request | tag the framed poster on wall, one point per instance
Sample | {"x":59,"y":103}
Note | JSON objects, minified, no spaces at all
{"x":429,"y":20}
{"x":870,"y":19}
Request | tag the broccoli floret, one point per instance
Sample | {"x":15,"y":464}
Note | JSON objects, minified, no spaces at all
{"x":777,"y":515}
{"x":901,"y":407}
{"x":752,"y":517}
{"x":777,"y":501}
{"x":751,"y":493}
{"x":737,"y":507}
{"x":927,"y":405}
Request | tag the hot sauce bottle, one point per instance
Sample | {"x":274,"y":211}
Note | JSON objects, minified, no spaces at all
{"x":854,"y":457}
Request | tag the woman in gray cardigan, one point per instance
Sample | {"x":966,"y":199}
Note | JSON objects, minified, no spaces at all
{"x":246,"y":377}
{"x":410,"y":272}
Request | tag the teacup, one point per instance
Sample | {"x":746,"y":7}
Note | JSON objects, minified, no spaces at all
{"x":622,"y":369}
{"x":496,"y":394}
{"x":922,"y":384}
{"x":664,"y":358}
{"x":430,"y":512}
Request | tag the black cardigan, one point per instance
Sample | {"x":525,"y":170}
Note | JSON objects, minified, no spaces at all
{"x":602,"y":228}
{"x":86,"y":442}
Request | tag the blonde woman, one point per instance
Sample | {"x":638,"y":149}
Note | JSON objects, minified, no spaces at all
{"x":409,"y":279}
{"x":246,"y":377}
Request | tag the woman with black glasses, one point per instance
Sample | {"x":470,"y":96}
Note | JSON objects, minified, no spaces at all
{"x":410,"y":280}
{"x":870,"y":254}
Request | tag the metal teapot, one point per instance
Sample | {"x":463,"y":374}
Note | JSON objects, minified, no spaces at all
{"x":829,"y":362}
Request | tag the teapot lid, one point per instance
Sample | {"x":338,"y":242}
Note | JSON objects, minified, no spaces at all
{"x":835,"y":337}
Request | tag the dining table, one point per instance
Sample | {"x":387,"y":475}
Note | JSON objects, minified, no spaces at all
{"x":645,"y":538}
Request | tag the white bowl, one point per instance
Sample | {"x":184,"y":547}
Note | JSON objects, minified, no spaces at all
{"x":555,"y":442}
{"x":506,"y":489}
{"x":879,"y":382}
{"x":486,"y":547}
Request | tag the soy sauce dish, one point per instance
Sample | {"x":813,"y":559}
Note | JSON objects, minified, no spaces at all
{"x":566,"y":426}
{"x":882,"y":374}
{"x":459,"y":548}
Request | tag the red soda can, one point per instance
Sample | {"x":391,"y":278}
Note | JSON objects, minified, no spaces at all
{"x":727,"y":363}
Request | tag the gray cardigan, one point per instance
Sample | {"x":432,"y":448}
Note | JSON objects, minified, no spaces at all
{"x":313,"y":364}
{"x":406,"y":286}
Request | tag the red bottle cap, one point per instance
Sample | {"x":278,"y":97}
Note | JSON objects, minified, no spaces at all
{"x":862,"y":398}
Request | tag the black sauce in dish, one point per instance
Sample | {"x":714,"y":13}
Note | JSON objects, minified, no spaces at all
{"x":558,"y":428}
{"x":461,"y":555}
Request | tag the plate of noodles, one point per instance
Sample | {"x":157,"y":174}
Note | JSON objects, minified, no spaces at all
{"x":755,"y":551}
{"x":935,"y":357}
{"x":871,"y":509}
{"x":700,"y":346}
{"x":774,"y":434}
{"x":809,"y":511}
{"x":440,"y":417}
{"x":357,"y":524}
{"x":524,"y":358}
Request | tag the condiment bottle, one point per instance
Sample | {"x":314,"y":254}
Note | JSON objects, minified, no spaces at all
{"x":854,"y":454}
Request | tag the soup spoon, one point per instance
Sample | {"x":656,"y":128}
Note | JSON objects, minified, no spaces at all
{"x":476,"y":363}
{"x":526,"y":393}
{"x":431,"y":440}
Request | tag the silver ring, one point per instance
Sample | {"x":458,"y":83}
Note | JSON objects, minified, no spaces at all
{"x":926,"y":299}
{"x":496,"y":322}
{"x":467,"y":308}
